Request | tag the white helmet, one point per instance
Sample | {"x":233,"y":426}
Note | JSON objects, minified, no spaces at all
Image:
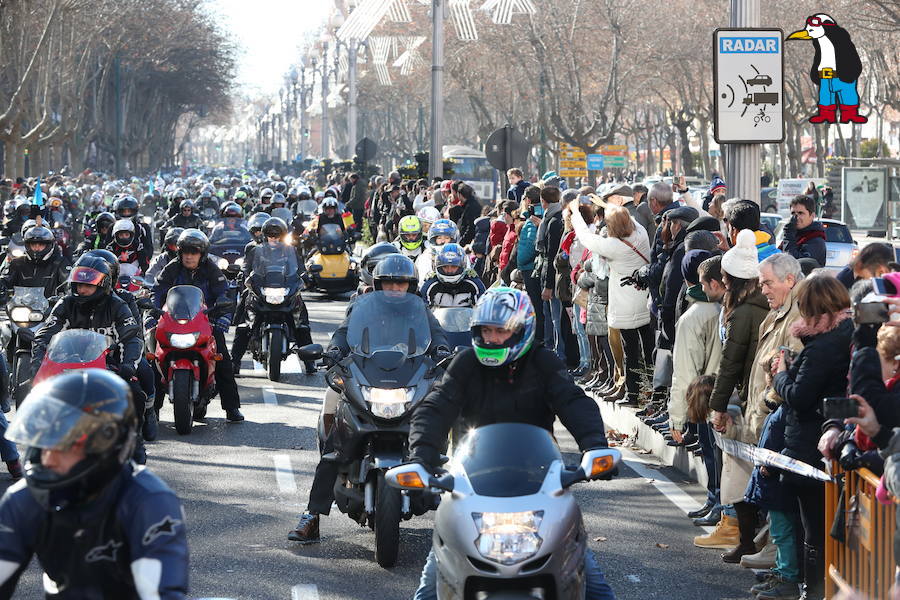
{"x":428,"y":214}
{"x":122,"y":226}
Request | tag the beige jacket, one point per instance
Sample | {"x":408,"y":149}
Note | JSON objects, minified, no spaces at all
{"x":773,"y":333}
{"x":697,"y":352}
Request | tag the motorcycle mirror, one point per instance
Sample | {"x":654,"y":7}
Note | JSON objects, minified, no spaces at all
{"x":315,"y":268}
{"x":310,"y":352}
{"x":596,"y":463}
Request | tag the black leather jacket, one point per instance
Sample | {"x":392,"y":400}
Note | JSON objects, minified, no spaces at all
{"x":49,"y":273}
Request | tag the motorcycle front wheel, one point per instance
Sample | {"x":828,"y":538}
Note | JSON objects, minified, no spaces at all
{"x":21,"y":372}
{"x":274,"y":360}
{"x":388,"y":506}
{"x":181,"y":400}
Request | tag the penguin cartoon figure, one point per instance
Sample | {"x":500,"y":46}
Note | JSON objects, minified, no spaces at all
{"x":835,"y":69}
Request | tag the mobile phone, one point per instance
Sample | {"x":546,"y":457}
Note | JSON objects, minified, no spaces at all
{"x":790,"y":354}
{"x":840,"y":408}
{"x":883,"y":287}
{"x":870,"y":313}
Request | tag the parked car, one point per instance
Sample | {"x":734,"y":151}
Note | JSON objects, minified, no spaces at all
{"x":768,"y":200}
{"x":770,"y":221}
{"x":840,"y":247}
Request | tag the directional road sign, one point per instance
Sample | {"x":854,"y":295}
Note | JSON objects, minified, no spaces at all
{"x":595,"y":162}
{"x":748,"y":66}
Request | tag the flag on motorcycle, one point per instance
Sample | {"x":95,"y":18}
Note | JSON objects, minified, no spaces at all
{"x":151,"y":187}
{"x":348,"y":219}
{"x":38,"y":194}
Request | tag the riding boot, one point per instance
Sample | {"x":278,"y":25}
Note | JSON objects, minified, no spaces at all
{"x":239,"y":346}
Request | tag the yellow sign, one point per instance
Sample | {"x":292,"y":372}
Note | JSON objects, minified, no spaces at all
{"x":569,"y":152}
{"x":572,"y":164}
{"x":619,"y":150}
{"x":573,"y":173}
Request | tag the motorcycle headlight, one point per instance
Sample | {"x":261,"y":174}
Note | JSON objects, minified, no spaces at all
{"x":274,"y":295}
{"x":17,"y":252}
{"x":34,"y":316}
{"x":183,"y":340}
{"x":223,"y":263}
{"x":387,"y":404}
{"x":508,"y":538}
{"x":240,"y":261}
{"x":20,"y":314}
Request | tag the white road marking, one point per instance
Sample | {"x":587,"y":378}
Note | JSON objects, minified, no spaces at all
{"x":257,"y":366}
{"x":269,"y":396}
{"x":306,"y":591}
{"x":284,"y":474}
{"x":291,"y":364}
{"x":633,"y":578}
{"x":675,"y":494}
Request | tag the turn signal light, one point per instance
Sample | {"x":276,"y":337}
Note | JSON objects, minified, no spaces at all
{"x":410,"y":480}
{"x":150,"y":356}
{"x":601,"y":465}
{"x":218,"y":357}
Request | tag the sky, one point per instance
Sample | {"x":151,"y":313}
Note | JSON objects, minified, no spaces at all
{"x":268,"y":33}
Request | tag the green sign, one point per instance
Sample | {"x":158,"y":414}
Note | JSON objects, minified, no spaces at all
{"x":615,"y":162}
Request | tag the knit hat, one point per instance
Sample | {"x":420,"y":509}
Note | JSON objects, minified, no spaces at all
{"x":741,"y":261}
{"x":717,"y":184}
{"x":691,"y":262}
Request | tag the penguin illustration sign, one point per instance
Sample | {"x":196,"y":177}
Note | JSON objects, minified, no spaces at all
{"x":835,"y":70}
{"x":748,"y":64}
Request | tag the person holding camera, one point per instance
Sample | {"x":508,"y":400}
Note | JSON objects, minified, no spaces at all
{"x":804,"y":236}
{"x":817,"y":372}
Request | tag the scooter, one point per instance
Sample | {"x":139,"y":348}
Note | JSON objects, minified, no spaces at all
{"x":507,"y":525}
{"x":73,"y":349}
{"x":186,"y":353}
{"x":331,"y":268}
{"x":385,"y":376}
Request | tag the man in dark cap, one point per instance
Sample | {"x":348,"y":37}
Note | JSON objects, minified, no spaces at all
{"x":675,"y":229}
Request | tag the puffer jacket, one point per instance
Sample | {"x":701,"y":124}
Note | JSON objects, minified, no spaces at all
{"x":598,"y":286}
{"x":526,"y":251}
{"x":764,"y":491}
{"x":627,"y":307}
{"x":738,"y":351}
{"x":819,"y":371}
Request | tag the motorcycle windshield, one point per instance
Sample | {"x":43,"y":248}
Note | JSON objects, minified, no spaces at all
{"x":284,"y":214}
{"x":455,"y":319}
{"x":382,"y":321}
{"x":506,"y":459}
{"x":208,"y":213}
{"x":32,"y":297}
{"x":307,"y":207}
{"x":275,"y":266}
{"x":331,"y":234}
{"x":230,"y":233}
{"x":76,"y":346}
{"x":183,"y":302}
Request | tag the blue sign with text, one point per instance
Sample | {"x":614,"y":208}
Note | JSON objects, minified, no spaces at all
{"x":749,"y":45}
{"x":595,"y":162}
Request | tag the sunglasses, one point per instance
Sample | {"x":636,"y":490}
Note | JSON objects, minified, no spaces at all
{"x":817,"y":22}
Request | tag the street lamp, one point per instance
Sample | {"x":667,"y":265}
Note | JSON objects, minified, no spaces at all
{"x":323,"y":40}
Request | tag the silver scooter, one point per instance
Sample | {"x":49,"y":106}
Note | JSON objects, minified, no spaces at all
{"x":507,"y":526}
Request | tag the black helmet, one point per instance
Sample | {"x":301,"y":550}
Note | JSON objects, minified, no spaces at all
{"x":278,"y":198}
{"x":92,"y":270}
{"x":396,"y":267}
{"x":256,"y":222}
{"x":110,"y":259}
{"x":232,"y":209}
{"x":171,"y":240}
{"x":186,"y":204}
{"x":372,"y":257}
{"x":125,"y":207}
{"x":102,"y":219}
{"x":193,"y":239}
{"x":148,"y":198}
{"x":89,"y":407}
{"x":274,"y":227}
{"x":39,"y":235}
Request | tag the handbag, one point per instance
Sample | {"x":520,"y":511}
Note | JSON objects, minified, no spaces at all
{"x":663,"y":369}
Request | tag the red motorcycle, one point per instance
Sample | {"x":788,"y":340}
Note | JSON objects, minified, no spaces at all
{"x":186,"y":352}
{"x":73,"y":349}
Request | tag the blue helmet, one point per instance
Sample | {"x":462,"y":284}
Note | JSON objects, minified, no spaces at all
{"x":451,"y":263}
{"x":510,"y":309}
{"x":443,"y":227}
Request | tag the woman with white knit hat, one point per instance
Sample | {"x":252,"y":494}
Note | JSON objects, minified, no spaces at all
{"x":743,"y":309}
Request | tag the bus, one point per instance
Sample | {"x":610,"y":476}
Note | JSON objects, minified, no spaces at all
{"x":471,"y":166}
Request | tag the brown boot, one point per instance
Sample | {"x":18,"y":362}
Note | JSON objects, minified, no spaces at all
{"x":15,"y":469}
{"x":725,"y":536}
{"x":307,"y":530}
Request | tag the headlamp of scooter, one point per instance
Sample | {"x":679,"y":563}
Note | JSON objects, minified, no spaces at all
{"x":387,"y":404}
{"x":508,"y":538}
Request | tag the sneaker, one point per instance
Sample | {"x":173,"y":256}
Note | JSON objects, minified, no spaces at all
{"x":234,"y":415}
{"x":702,"y":511}
{"x":713,"y":518}
{"x":725,"y":536}
{"x":767,"y":579}
{"x":307,"y":530}
{"x":780,"y":590}
{"x":150,"y":427}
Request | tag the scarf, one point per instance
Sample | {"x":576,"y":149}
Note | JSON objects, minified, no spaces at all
{"x":696,"y":292}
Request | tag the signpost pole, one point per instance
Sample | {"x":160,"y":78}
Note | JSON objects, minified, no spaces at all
{"x":742,"y":161}
{"x":436,"y":156}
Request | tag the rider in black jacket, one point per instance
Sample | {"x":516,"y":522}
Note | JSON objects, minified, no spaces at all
{"x":43,"y":265}
{"x":186,"y":219}
{"x":99,"y":527}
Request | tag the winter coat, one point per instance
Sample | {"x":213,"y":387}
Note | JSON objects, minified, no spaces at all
{"x":471,"y":211}
{"x":480,"y":241}
{"x":536,"y":389}
{"x":865,"y":380}
{"x":738,"y":351}
{"x":527,"y":252}
{"x":549,"y":236}
{"x":515,"y":192}
{"x":627,"y":307}
{"x":509,"y":242}
{"x":598,"y":286}
{"x":670,"y":287}
{"x":644,"y":216}
{"x":774,"y":332}
{"x":697,"y":351}
{"x":767,"y":492}
{"x":819,"y":371}
{"x":49,"y":273}
{"x":808,"y":242}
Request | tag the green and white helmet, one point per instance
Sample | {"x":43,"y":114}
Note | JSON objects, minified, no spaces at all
{"x":510,"y":309}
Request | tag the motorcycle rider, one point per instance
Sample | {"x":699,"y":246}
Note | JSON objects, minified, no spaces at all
{"x":100,"y":527}
{"x":127,"y":208}
{"x":273,"y":232}
{"x":175,"y":200}
{"x":442,"y":231}
{"x":44,"y":264}
{"x":22,"y":214}
{"x":127,"y":246}
{"x":368,"y":263}
{"x":98,"y":234}
{"x":207,"y":200}
{"x":169,"y":252}
{"x":186,"y":219}
{"x":453,"y":282}
{"x":409,"y":240}
{"x":394,"y":274}
{"x":504,"y":378}
{"x":194,"y":267}
{"x":265,"y":201}
{"x":90,"y":304}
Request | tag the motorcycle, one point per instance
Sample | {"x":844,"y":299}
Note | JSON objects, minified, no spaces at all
{"x":456,"y":322}
{"x":208,"y":214}
{"x":275,"y":294}
{"x":331,"y":268}
{"x":26,"y":311}
{"x":507,"y":525}
{"x":227,"y":241}
{"x":386,"y":374}
{"x":73,"y":349}
{"x":185,"y":354}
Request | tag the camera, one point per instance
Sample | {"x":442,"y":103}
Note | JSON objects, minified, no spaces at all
{"x":852,"y":458}
{"x":884,"y":287}
{"x":870,"y":313}
{"x":840,"y":408}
